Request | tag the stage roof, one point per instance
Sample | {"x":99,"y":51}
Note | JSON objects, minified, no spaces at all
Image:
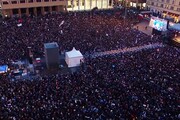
{"x":51,"y":45}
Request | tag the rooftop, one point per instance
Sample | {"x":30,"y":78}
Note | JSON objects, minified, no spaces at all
{"x":51,"y":45}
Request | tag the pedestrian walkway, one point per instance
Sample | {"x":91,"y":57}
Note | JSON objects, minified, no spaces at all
{"x":125,"y":50}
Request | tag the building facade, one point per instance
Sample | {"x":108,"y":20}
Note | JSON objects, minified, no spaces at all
{"x":11,"y":8}
{"x":141,"y":4}
{"x":166,"y":8}
{"x":132,"y":3}
{"x":76,"y":5}
{"x":35,"y":7}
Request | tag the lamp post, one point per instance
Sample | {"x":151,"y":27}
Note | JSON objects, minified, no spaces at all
{"x":125,"y":14}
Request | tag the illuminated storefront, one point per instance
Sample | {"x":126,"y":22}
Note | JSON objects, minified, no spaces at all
{"x":169,"y":10}
{"x":137,"y":3}
{"x":74,"y":5}
{"x":173,"y":16}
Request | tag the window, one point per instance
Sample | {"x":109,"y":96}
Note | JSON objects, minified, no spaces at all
{"x":83,"y":2}
{"x":172,"y":8}
{"x":178,"y":9}
{"x":14,"y":2}
{"x":38,"y":0}
{"x":77,"y":2}
{"x":152,"y":3}
{"x":162,"y":5}
{"x":22,"y":1}
{"x":167,"y":1}
{"x":30,"y":1}
{"x":5,"y":3}
{"x":167,"y":6}
{"x":46,"y":0}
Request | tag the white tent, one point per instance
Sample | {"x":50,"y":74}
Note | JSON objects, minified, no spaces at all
{"x":73,"y":57}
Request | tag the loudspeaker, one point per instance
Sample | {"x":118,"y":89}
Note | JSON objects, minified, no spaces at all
{"x":30,"y":60}
{"x":156,"y":32}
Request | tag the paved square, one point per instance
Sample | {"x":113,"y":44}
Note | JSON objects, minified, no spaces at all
{"x":142,"y":27}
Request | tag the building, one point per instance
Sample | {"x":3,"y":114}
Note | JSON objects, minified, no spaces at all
{"x":74,"y":5}
{"x":166,"y":8}
{"x":11,"y":8}
{"x":51,"y":55}
{"x":137,"y":3}
{"x":25,"y":7}
{"x":141,"y":4}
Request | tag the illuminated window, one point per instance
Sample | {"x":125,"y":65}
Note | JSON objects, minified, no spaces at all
{"x":77,"y":2}
{"x":167,"y":6}
{"x":83,"y":2}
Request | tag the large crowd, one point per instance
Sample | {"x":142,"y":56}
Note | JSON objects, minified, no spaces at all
{"x":134,"y":85}
{"x":83,"y":31}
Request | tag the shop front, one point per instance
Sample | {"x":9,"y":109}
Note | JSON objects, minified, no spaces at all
{"x":171,"y":16}
{"x":140,"y":4}
{"x":76,"y":5}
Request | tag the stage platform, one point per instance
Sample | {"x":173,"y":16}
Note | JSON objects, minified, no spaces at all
{"x":142,"y":27}
{"x":63,"y":68}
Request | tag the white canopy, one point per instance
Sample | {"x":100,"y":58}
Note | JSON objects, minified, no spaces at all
{"x":74,"y":53}
{"x":73,"y":58}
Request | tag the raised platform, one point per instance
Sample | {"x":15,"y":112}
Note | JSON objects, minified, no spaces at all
{"x":62,"y":69}
{"x":142,"y":27}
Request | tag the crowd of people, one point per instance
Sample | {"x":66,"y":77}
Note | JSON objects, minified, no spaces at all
{"x":134,"y":85}
{"x":83,"y":31}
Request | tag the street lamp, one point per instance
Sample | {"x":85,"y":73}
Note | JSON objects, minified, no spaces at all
{"x":125,"y":14}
